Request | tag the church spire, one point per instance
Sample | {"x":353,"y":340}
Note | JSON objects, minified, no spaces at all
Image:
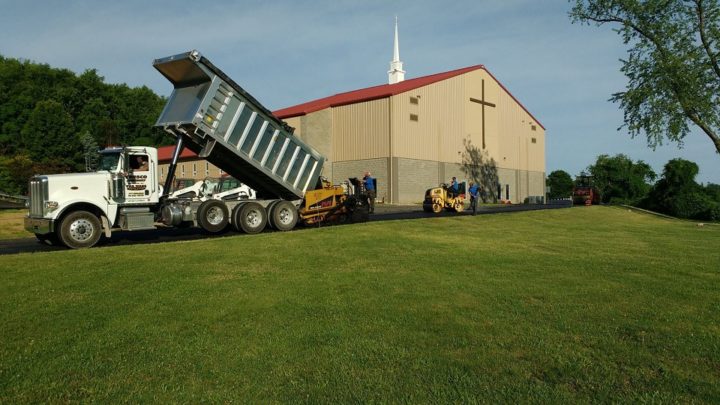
{"x":396,"y":74}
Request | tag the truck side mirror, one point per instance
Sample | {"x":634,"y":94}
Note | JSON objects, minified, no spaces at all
{"x":125,"y":164}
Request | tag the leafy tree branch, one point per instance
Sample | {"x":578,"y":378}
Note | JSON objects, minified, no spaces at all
{"x":672,"y":64}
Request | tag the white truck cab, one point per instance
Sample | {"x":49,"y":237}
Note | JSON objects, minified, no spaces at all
{"x":75,"y":209}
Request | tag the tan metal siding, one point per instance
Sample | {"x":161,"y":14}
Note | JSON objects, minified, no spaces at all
{"x":361,"y":130}
{"x":516,"y":149}
{"x":474,"y":83}
{"x":438,"y":132}
{"x":295,"y":122}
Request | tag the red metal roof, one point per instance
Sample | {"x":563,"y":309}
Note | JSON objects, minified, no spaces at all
{"x":165,"y":153}
{"x":383,"y":91}
{"x":357,"y":96}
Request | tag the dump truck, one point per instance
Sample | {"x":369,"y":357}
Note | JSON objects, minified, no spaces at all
{"x":217,"y":119}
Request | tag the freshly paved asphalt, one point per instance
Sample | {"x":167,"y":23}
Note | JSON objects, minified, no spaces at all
{"x":382,"y":213}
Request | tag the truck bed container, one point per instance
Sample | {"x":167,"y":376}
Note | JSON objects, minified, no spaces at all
{"x":228,"y":127}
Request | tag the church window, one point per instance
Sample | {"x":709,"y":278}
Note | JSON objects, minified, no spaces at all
{"x":414,"y":100}
{"x":533,"y":140}
{"x":413,"y":117}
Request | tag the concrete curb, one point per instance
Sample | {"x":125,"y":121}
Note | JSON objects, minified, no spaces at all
{"x":657,"y":214}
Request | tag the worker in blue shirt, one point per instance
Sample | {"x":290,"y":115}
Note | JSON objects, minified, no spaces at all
{"x":474,"y":193}
{"x":369,"y":182}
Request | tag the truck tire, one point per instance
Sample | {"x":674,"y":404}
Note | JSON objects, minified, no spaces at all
{"x":250,"y":218}
{"x":80,"y":229}
{"x":213,"y":216}
{"x":235,"y":218}
{"x":269,"y":210}
{"x":284,"y":216}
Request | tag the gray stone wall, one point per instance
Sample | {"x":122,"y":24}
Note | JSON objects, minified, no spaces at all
{"x":413,"y":177}
{"x":451,"y":170}
{"x":355,"y":168}
{"x":537,"y":184}
{"x":508,"y":177}
{"x":522,"y":184}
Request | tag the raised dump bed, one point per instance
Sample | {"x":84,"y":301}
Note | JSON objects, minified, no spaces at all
{"x":227,"y":126}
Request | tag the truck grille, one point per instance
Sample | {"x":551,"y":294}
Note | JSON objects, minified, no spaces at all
{"x":38,"y":195}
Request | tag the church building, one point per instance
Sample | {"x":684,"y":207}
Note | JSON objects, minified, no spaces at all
{"x":413,"y":134}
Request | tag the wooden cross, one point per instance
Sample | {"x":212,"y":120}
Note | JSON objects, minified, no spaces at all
{"x":483,"y":103}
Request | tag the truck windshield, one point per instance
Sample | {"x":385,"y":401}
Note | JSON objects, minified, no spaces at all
{"x":109,"y":161}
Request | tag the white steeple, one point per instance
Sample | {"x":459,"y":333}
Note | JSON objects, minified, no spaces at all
{"x":396,"y":74}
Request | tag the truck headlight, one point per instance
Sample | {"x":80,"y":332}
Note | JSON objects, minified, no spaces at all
{"x":50,"y":206}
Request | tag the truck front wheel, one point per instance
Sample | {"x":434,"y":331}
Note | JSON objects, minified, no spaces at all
{"x":80,"y":229}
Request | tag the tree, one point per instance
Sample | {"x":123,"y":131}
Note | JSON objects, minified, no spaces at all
{"x":620,"y":180}
{"x":672,"y":65}
{"x":90,"y":151}
{"x":43,"y":110}
{"x":677,"y":193}
{"x":479,"y":167}
{"x":15,"y":172}
{"x":713,"y":191}
{"x":560,"y":183}
{"x":109,"y":133}
{"x":49,"y":136}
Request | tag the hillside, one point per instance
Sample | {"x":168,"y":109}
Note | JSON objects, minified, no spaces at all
{"x":575,"y":305}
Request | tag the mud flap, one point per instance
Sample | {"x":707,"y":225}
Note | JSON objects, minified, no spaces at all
{"x":105,"y":226}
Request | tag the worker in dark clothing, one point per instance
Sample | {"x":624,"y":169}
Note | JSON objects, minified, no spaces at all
{"x":453,"y":189}
{"x":141,"y":163}
{"x":474,"y":193}
{"x":369,"y":182}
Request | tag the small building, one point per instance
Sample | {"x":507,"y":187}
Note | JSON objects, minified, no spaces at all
{"x":189,"y":166}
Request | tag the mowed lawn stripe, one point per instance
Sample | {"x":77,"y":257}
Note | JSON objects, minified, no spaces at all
{"x":578,"y":304}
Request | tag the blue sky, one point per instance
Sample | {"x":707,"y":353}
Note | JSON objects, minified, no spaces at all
{"x":288,"y":52}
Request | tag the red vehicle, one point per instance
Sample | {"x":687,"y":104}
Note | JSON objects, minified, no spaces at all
{"x":584,"y":192}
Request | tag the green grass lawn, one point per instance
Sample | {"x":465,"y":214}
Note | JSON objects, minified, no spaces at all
{"x":11,"y":224}
{"x":571,"y":305}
